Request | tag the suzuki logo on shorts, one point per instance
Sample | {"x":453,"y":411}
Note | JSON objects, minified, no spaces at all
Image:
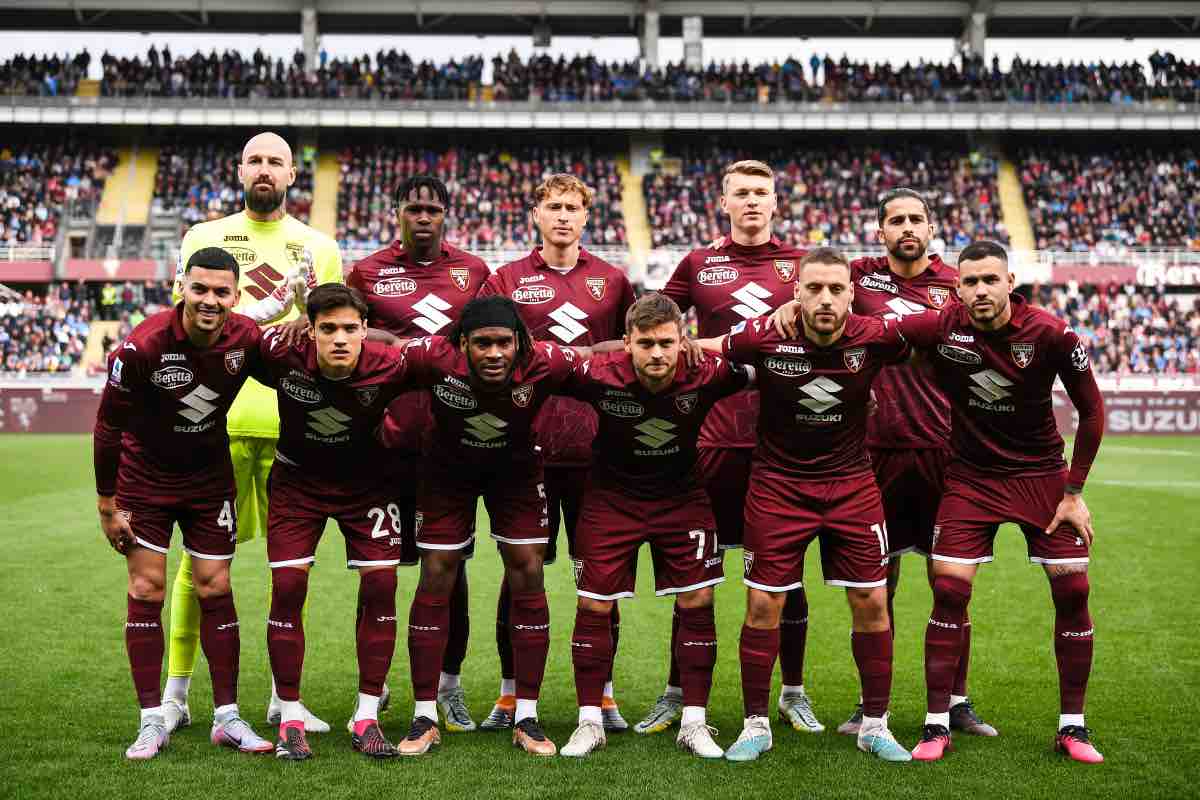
{"x":820,"y":395}
{"x":328,"y":421}
{"x":568,"y":317}
{"x":198,"y":402}
{"x":752,"y":296}
{"x":655,"y":432}
{"x":991,"y":386}
{"x":430,"y":307}
{"x":485,"y":427}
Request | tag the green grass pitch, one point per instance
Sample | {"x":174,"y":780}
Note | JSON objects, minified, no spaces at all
{"x":67,"y":707}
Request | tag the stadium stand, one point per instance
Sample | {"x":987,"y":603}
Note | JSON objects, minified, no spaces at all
{"x":38,"y":181}
{"x":828,"y":192}
{"x":45,"y":332}
{"x":43,"y":76}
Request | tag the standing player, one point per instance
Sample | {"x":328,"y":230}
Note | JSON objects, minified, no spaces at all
{"x":564,"y":294}
{"x":333,"y":390}
{"x":161,"y":457}
{"x":417,"y":287}
{"x":268,"y":244}
{"x":745,"y":278}
{"x":645,"y":486}
{"x":997,"y":359}
{"x":811,"y":479}
{"x":488,"y":383}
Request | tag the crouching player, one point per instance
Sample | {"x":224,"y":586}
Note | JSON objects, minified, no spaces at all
{"x":333,"y":388}
{"x":644,"y":486}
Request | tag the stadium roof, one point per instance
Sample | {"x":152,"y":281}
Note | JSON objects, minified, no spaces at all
{"x":731,"y":18}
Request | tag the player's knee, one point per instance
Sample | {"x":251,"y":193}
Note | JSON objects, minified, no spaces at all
{"x":593,"y":606}
{"x":288,"y":587}
{"x":214,"y":581}
{"x":697,"y":598}
{"x":868,"y":603}
{"x":146,"y":587}
{"x":951,"y":592}
{"x":1070,"y":592}
{"x":439,"y":570}
{"x":378,"y":585}
{"x":763,"y":609}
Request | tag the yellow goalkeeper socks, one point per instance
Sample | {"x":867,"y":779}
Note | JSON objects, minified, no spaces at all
{"x":185,"y":631}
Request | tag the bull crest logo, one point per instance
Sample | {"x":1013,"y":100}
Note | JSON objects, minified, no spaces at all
{"x":938,"y":295}
{"x":234,"y":360}
{"x":577,"y":568}
{"x":596,"y":287}
{"x":461,"y":278}
{"x":686,"y":403}
{"x":785,"y":269}
{"x":1022,"y":353}
{"x":747,"y":562}
{"x":367,"y":395}
{"x":855,"y":358}
{"x":522,"y":395}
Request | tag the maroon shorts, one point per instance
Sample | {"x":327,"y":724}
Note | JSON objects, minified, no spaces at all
{"x":515,"y":499}
{"x":612,"y":526}
{"x":910,"y":482}
{"x":369,"y":520}
{"x":404,"y":471}
{"x":564,"y":499}
{"x":784,"y":514}
{"x":726,"y":472}
{"x":209,"y":524}
{"x":974,"y":506}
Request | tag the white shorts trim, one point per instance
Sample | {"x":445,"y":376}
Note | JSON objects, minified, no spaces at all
{"x":953,"y":560}
{"x":858,"y":584}
{"x":292,"y":562}
{"x":353,"y":564}
{"x":207,"y":557}
{"x":775,"y":589}
{"x":461,"y":546}
{"x":1036,"y":560}
{"x":692,"y":588}
{"x":149,"y":546}
{"x":506,"y":540}
{"x":594,"y":596}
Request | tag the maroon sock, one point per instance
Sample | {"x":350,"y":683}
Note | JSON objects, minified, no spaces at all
{"x":376,"y":635}
{"x":285,"y":630}
{"x":964,"y":659}
{"x":793,"y":637}
{"x":428,"y":621}
{"x":1073,"y":639}
{"x":530,"y":632}
{"x":220,"y":638}
{"x":145,"y":645}
{"x":697,"y":653}
{"x":943,"y":640}
{"x":591,"y":654}
{"x":460,"y":624}
{"x":673,"y":675}
{"x":757,"y":651}
{"x":503,"y":639}
{"x":873,"y":655}
{"x":615,"y":627}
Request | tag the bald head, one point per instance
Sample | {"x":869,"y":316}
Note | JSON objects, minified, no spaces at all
{"x":266,"y":171}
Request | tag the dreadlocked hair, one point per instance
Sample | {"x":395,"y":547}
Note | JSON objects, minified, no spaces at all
{"x":493,"y":311}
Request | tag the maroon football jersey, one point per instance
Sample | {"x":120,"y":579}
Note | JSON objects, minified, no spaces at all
{"x":814,"y":398}
{"x":477,"y":428}
{"x":728,"y":286}
{"x":912,"y":412}
{"x":161,"y":422}
{"x":327,"y":427}
{"x":999,"y":385}
{"x":646,"y":445}
{"x":581,"y":307}
{"x":409,"y":299}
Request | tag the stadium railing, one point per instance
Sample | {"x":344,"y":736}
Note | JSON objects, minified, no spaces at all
{"x":26,"y":252}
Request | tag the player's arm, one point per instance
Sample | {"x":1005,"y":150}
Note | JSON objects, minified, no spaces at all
{"x":1075,"y":370}
{"x":713,"y":344}
{"x":679,"y":285}
{"x":117,"y":405}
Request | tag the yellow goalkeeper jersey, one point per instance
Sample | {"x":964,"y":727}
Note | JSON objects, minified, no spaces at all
{"x":265,"y":252}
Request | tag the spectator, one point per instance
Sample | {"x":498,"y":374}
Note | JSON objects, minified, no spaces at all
{"x":38,"y":180}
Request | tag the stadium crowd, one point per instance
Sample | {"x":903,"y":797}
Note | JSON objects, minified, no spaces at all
{"x":1107,"y":200}
{"x":38,"y":179}
{"x":489,"y":190}
{"x":827,"y":195}
{"x":43,"y":76}
{"x":45,"y":332}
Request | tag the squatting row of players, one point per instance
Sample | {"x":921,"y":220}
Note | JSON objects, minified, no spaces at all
{"x":888,"y":405}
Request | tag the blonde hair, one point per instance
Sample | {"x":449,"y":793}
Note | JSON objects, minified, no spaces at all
{"x":746,"y":167}
{"x":565,"y":183}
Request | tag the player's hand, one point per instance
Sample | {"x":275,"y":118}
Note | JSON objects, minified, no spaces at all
{"x":784,"y":319}
{"x":692,"y":352}
{"x":115,"y":524}
{"x":292,"y":333}
{"x":1072,"y":511}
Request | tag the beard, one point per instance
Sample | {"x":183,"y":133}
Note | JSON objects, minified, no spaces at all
{"x":900,"y":255}
{"x":263,"y":203}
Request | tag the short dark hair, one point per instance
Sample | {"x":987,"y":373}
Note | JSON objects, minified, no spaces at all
{"x":896,"y":194}
{"x":981,"y":249}
{"x":330,"y":296}
{"x":414,"y":183}
{"x":213,"y":258}
{"x":650,"y":311}
{"x":494,"y":309}
{"x":824,"y":255}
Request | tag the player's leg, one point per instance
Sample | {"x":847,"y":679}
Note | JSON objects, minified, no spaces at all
{"x":530,"y":632}
{"x":452,"y":699}
{"x":757,"y":650}
{"x":183,"y":643}
{"x":147,"y":565}
{"x":591,"y":658}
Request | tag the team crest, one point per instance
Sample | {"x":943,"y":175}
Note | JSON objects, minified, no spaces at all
{"x":747,"y":562}
{"x":686,"y":402}
{"x":1022,"y":353}
{"x":938,"y":295}
{"x":596,"y":287}
{"x":461,"y":278}
{"x":367,"y":395}
{"x":419,"y":520}
{"x":785,"y":269}
{"x":855,"y":358}
{"x":577,"y":568}
{"x":522,"y":395}
{"x":234,"y":360}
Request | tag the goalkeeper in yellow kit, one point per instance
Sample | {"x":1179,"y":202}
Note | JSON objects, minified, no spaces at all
{"x":271,"y":249}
